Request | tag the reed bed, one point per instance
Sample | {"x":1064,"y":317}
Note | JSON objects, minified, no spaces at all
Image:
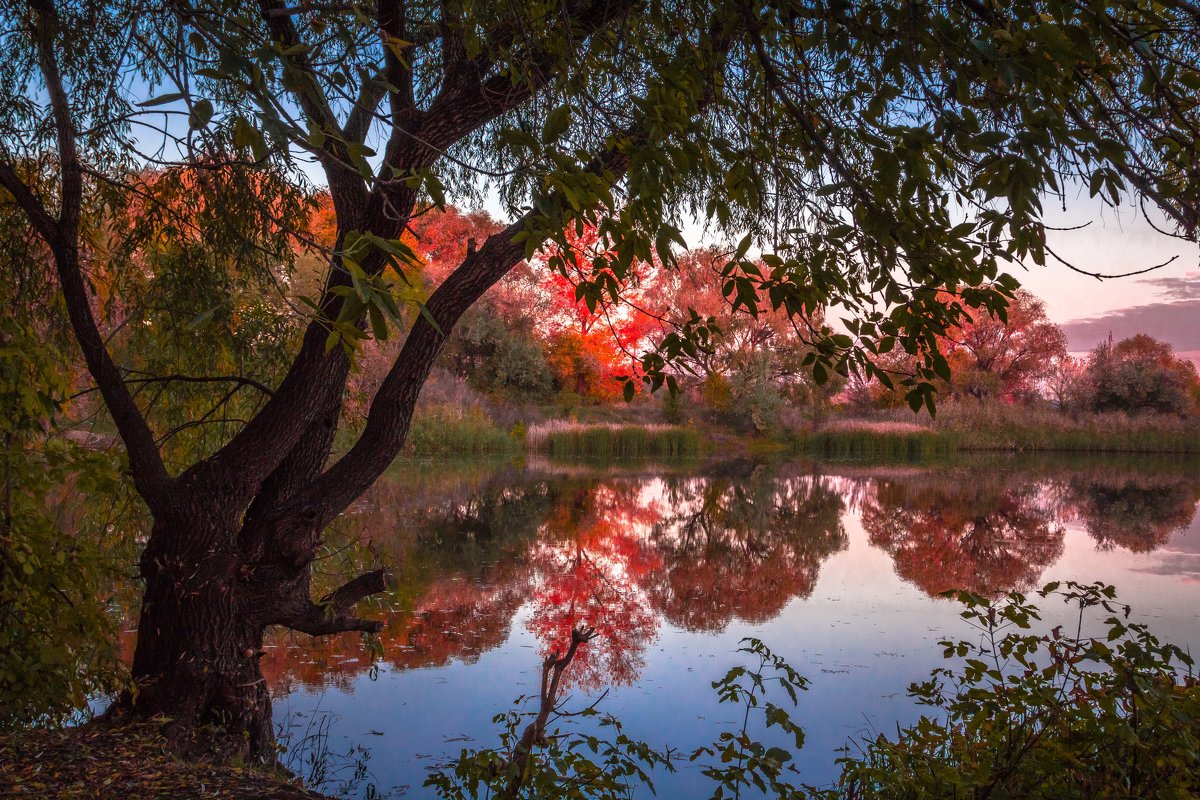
{"x":999,"y":426}
{"x":969,"y":426}
{"x":870,"y":439}
{"x":451,"y":431}
{"x":604,"y":441}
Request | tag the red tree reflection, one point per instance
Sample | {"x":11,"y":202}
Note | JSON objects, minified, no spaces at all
{"x":741,"y":548}
{"x":592,"y":565}
{"x":943,"y":533}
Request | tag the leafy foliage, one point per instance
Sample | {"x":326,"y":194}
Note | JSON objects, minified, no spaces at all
{"x":742,"y":760}
{"x":1045,"y":715}
{"x":56,"y":640}
{"x":604,"y":765}
{"x":1140,"y":374}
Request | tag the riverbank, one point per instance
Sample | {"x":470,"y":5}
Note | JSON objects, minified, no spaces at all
{"x":97,"y":762}
{"x":999,"y":427}
{"x":895,"y":434}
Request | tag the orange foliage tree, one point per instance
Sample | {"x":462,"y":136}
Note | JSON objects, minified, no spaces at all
{"x":595,"y":323}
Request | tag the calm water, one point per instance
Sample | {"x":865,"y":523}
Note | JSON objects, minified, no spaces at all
{"x":836,"y":567}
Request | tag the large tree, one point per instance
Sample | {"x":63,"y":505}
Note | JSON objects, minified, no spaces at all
{"x":879,"y":154}
{"x":1010,"y":357}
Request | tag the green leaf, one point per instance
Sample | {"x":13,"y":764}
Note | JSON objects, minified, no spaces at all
{"x":162,"y":100}
{"x":557,"y":122}
{"x":201,"y":319}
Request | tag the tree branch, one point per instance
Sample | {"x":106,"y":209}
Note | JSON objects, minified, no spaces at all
{"x":149,"y":473}
{"x":393,"y":30}
{"x":345,"y":183}
{"x":39,"y":217}
{"x":348,"y":594}
{"x":534,"y":734}
{"x":332,"y":613}
{"x":391,"y":409}
{"x":240,"y":380}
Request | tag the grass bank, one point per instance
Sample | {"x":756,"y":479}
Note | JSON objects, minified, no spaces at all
{"x":603,"y":441}
{"x":446,"y":431}
{"x":970,"y":426}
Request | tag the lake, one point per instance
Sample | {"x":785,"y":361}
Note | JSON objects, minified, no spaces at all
{"x":836,"y":566}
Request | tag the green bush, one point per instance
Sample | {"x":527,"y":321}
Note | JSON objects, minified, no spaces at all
{"x":1054,"y":715}
{"x":55,"y":630}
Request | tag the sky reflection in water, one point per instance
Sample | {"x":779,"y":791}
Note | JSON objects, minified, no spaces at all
{"x":836,"y":567}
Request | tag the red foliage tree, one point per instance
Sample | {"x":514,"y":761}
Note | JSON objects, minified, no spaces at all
{"x":594,"y":340}
{"x":1009,"y":357}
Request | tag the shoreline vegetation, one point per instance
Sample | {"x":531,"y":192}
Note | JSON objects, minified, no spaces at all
{"x":998,"y":427}
{"x":957,"y":428}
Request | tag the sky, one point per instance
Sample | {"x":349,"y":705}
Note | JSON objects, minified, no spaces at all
{"x":1164,"y":303}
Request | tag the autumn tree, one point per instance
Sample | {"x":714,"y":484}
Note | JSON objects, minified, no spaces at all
{"x":752,"y":364}
{"x":1140,"y":374}
{"x":594,"y":322}
{"x":831,"y":135}
{"x":1008,"y":354}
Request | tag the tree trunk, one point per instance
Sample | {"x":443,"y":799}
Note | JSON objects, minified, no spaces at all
{"x":199,"y":644}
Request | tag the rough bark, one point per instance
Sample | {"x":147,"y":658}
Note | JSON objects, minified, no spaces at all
{"x":206,"y":605}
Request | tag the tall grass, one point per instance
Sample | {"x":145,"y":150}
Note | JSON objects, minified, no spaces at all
{"x":605,"y":441}
{"x":1000,"y":426}
{"x":449,"y":431}
{"x":865,"y":439}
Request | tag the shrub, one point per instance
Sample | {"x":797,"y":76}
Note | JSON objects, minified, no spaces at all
{"x":1140,"y":374}
{"x":1044,"y":715}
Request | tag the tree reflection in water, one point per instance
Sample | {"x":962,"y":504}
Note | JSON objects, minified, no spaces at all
{"x":741,"y":546}
{"x":1138,"y":512}
{"x":621,"y":554}
{"x":592,"y":564}
{"x":989,"y":535}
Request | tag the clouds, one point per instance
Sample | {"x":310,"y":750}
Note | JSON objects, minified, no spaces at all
{"x":1174,"y":319}
{"x":1177,"y":287}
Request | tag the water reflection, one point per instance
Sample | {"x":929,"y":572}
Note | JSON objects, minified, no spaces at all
{"x":1138,"y":512}
{"x":742,"y":545}
{"x":990,"y":535}
{"x":629,"y":554}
